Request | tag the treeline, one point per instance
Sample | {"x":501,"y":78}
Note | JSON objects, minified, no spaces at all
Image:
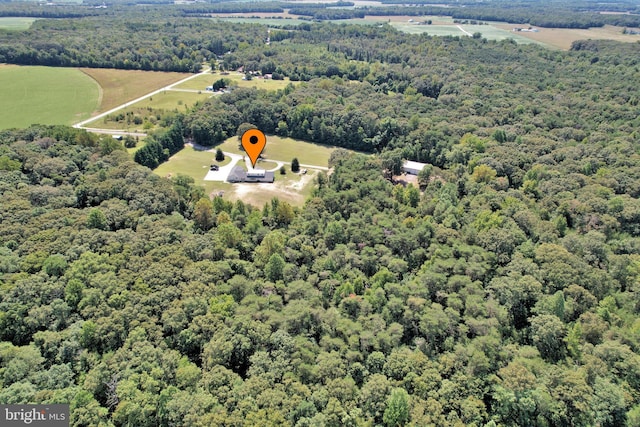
{"x":159,"y":147}
{"x":327,"y":14}
{"x":151,"y":44}
{"x":232,"y":7}
{"x":331,"y":119}
{"x":34,"y":10}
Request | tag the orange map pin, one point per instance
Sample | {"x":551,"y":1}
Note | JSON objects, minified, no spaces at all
{"x":253,"y":142}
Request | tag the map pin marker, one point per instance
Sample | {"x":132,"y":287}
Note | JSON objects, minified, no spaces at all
{"x":253,"y":142}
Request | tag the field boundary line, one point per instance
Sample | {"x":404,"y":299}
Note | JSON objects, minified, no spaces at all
{"x":81,"y":125}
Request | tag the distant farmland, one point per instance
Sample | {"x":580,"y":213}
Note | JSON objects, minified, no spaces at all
{"x":45,"y":95}
{"x":16,"y":24}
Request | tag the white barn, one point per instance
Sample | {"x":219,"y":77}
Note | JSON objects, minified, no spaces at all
{"x":412,"y":168}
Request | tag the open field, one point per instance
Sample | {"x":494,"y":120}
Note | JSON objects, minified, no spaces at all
{"x":190,"y":161}
{"x":563,"y":37}
{"x":201,"y":82}
{"x":293,"y":188}
{"x":45,"y":95}
{"x":16,"y":24}
{"x":120,"y":86}
{"x":490,"y":32}
{"x":285,"y":149}
{"x":149,"y":109}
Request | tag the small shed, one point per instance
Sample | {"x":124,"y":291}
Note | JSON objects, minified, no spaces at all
{"x":412,"y":168}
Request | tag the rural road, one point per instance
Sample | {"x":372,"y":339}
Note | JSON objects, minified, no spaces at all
{"x":220,"y":175}
{"x":81,"y":125}
{"x":465,"y":31}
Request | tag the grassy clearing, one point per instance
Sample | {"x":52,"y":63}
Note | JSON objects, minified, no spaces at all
{"x":201,"y":82}
{"x":562,"y":38}
{"x":149,"y":110}
{"x":264,"y":164}
{"x":16,"y":24}
{"x":285,"y":149}
{"x":171,"y":99}
{"x":120,"y":86}
{"x":293,"y":188}
{"x":45,"y":95}
{"x":189,"y":161}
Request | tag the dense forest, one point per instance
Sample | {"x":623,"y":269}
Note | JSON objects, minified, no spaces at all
{"x":502,"y":290}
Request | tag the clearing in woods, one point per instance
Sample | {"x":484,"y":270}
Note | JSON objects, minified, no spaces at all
{"x":45,"y":95}
{"x":15,"y":24}
{"x":292,"y":188}
{"x":285,"y":149}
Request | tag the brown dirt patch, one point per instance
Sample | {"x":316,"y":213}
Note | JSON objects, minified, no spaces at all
{"x":406,"y":179}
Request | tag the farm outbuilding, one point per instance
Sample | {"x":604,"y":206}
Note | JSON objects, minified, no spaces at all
{"x":412,"y":168}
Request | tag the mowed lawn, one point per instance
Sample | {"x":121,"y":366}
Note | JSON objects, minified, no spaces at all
{"x":120,"y":86}
{"x":189,"y":161}
{"x":16,"y":24}
{"x":285,"y":149}
{"x":194,"y":163}
{"x":45,"y":95}
{"x":170,"y":100}
{"x":201,"y":82}
{"x":293,"y":188}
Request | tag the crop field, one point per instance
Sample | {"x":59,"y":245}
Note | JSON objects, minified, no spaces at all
{"x":285,"y":149}
{"x":120,"y":86}
{"x":489,"y":32}
{"x":202,"y":81}
{"x":45,"y":95}
{"x":16,"y":24}
{"x":562,"y":38}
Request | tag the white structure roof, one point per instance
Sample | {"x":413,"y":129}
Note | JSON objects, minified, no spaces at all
{"x":409,"y":164}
